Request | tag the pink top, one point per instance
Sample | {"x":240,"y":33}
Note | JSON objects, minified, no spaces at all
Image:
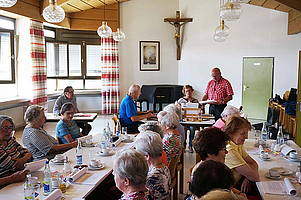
{"x":219,"y":124}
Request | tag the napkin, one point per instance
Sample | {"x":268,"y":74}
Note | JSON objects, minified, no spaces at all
{"x":54,"y":195}
{"x":78,"y":174}
{"x":117,"y":142}
{"x":35,"y":166}
{"x":84,"y":138}
{"x":290,"y":187}
{"x":285,"y":149}
{"x":261,"y":149}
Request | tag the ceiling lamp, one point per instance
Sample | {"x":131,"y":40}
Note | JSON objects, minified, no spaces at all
{"x":119,"y":35}
{"x":7,"y":3}
{"x":231,"y":10}
{"x":218,"y":38}
{"x":53,"y":13}
{"x":104,"y":30}
{"x":222,"y":30}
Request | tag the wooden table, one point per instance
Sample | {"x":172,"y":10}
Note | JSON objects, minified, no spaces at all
{"x":74,"y":191}
{"x":78,"y":117}
{"x":264,"y":167}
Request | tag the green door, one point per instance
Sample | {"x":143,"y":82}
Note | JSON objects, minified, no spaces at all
{"x":257,"y":86}
{"x":298,"y":105}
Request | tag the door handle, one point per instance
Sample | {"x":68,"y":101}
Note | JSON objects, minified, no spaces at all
{"x":245,"y":87}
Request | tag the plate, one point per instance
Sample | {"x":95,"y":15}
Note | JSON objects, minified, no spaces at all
{"x":104,"y":154}
{"x":265,"y":159}
{"x":284,"y":171}
{"x":101,"y":166}
{"x":292,"y":159}
{"x":57,"y":162}
{"x":272,"y":177}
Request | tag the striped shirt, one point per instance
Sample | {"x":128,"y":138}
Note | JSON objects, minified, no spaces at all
{"x":13,"y":150}
{"x":219,"y":90}
{"x":38,"y":142}
{"x":62,"y":129}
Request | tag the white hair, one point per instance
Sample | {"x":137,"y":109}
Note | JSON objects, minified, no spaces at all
{"x":173,"y":108}
{"x":168,"y":119}
{"x":229,"y":111}
{"x":134,"y":88}
{"x":151,"y":126}
{"x":149,"y":143}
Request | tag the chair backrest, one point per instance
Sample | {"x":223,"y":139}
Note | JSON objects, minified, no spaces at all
{"x":172,"y":166}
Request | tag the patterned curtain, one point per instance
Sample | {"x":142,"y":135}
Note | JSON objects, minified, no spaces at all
{"x":38,"y":61}
{"x":110,"y":76}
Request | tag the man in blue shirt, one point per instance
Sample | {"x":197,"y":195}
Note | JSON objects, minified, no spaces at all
{"x":129,"y":116}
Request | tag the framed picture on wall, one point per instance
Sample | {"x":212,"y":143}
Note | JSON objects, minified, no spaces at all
{"x":149,"y":56}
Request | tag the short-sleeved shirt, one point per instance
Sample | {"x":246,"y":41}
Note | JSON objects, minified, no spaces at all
{"x":127,"y":110}
{"x":172,"y":145}
{"x":13,"y":150}
{"x":38,"y":142}
{"x":60,"y":101}
{"x":219,"y":90}
{"x":62,"y":129}
{"x":235,"y":158}
{"x":158,"y":181}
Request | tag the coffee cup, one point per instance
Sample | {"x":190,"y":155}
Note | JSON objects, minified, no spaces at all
{"x":55,"y":182}
{"x":274,"y":172}
{"x":59,"y":157}
{"x":105,"y":151}
{"x":89,"y":141}
{"x":94,"y":163}
{"x":264,"y":155}
{"x":293,"y":155}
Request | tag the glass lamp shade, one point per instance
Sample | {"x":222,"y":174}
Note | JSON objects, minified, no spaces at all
{"x":230,"y":11}
{"x":53,"y":13}
{"x":7,"y":3}
{"x":104,"y":30}
{"x":222,"y":30}
{"x":119,"y":35}
{"x":218,"y":38}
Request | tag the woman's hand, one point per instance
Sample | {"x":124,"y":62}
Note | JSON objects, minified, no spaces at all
{"x":19,"y":176}
{"x":246,"y":186}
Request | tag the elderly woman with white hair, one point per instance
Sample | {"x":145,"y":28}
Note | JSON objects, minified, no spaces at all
{"x":172,"y":140}
{"x":130,"y":171}
{"x":158,"y":177}
{"x":226,"y":114}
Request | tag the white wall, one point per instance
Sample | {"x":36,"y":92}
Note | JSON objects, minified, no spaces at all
{"x":143,"y":20}
{"x":260,"y":32}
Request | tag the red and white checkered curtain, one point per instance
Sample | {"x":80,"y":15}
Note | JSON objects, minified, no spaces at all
{"x":38,"y":62}
{"x":110,"y":76}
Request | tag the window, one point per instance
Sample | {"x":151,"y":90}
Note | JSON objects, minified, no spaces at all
{"x":7,"y":64}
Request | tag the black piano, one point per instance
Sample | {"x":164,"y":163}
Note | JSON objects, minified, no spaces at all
{"x":159,"y":94}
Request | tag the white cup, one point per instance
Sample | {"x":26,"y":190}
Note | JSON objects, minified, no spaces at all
{"x":264,"y":155}
{"x":105,"y":151}
{"x":89,"y":141}
{"x":59,"y":157}
{"x":55,"y":182}
{"x":94,"y":163}
{"x":293,"y":155}
{"x":274,"y":172}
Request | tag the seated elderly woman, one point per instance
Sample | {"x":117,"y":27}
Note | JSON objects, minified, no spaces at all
{"x":237,"y":158}
{"x":130,"y":171}
{"x":210,"y":144}
{"x":158,"y":177}
{"x":177,"y":110}
{"x":172,"y":140}
{"x":153,"y":126}
{"x":221,"y":194}
{"x":37,"y":140}
{"x":66,"y":129}
{"x":12,"y":154}
{"x":228,"y":112}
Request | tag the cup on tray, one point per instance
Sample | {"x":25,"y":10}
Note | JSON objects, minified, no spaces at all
{"x":105,"y":151}
{"x":293,"y":155}
{"x":94,"y":163}
{"x":274,"y":172}
{"x":264,"y":156}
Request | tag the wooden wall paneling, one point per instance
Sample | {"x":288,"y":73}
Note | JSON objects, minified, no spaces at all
{"x":271,"y":4}
{"x":82,"y":24}
{"x":295,"y":4}
{"x":257,"y":2}
{"x":284,"y":8}
{"x":111,"y":15}
{"x":294,"y":26}
{"x":293,"y":14}
{"x":69,"y":9}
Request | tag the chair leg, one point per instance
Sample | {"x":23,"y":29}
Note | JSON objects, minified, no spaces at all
{"x":182,"y":180}
{"x":175,"y":190}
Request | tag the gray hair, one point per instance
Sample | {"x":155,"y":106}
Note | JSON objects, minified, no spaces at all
{"x":168,"y":119}
{"x":151,"y":126}
{"x":32,"y":113}
{"x":131,"y":164}
{"x":149,"y":143}
{"x":229,"y":111}
{"x":134,"y":88}
{"x":4,"y":117}
{"x":66,"y":107}
{"x":173,"y":108}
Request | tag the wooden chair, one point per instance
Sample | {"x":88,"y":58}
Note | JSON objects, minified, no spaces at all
{"x":180,"y":169}
{"x":172,"y":166}
{"x":114,"y":120}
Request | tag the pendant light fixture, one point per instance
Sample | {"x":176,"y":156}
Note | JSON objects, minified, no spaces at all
{"x":53,"y":13}
{"x":104,"y":30}
{"x":119,"y":35}
{"x":218,"y":38}
{"x":7,"y":3}
{"x":231,"y":10}
{"x":222,"y":30}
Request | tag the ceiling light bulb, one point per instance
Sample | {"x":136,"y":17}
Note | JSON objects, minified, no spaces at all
{"x":7,"y":3}
{"x":119,"y":35}
{"x":104,"y":30}
{"x":53,"y":13}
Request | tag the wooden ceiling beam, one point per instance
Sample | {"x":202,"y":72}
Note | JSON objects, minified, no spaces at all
{"x":295,"y":4}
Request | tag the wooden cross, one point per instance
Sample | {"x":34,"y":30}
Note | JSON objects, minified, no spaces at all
{"x":177,"y":23}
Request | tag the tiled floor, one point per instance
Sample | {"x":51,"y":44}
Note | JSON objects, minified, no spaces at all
{"x":97,"y":127}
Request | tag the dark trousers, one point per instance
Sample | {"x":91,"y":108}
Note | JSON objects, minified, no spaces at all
{"x":86,"y":128}
{"x":133,"y":128}
{"x":216,"y":110}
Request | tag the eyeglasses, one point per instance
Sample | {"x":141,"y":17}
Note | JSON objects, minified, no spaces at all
{"x":6,"y":128}
{"x":71,"y":92}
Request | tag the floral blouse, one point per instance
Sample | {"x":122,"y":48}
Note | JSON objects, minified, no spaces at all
{"x":172,"y":145}
{"x":142,"y":195}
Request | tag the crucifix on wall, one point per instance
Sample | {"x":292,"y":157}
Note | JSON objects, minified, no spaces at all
{"x":177,"y":23}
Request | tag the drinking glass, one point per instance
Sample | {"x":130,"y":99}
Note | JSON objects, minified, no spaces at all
{"x":92,"y":153}
{"x":125,"y":130}
{"x":256,"y":136}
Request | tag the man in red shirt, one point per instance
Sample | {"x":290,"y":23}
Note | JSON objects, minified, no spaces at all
{"x":220,"y":90}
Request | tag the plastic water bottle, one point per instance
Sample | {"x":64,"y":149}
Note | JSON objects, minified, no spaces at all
{"x":79,"y":153}
{"x":108,"y":130}
{"x":28,"y":188}
{"x":47,"y":179}
{"x":118,"y":128}
{"x":264,"y":133}
{"x":104,"y":140}
{"x":280,"y":139}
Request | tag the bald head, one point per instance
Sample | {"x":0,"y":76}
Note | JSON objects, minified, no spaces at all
{"x":134,"y":91}
{"x":216,"y":74}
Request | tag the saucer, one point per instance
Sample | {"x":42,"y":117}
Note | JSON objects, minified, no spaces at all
{"x":100,"y":166}
{"x":272,"y":177}
{"x":265,"y":159}
{"x":284,"y":171}
{"x":292,"y":159}
{"x":57,"y":162}
{"x":104,"y":154}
